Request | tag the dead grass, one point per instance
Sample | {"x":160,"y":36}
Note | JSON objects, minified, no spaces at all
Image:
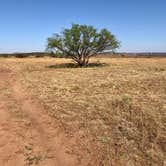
{"x":117,"y":111}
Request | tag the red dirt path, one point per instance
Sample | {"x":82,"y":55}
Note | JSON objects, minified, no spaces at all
{"x":28,"y":136}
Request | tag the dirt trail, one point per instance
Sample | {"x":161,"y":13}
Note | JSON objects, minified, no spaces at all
{"x":28,"y":136}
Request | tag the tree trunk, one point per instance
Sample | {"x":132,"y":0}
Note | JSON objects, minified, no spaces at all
{"x":82,"y":60}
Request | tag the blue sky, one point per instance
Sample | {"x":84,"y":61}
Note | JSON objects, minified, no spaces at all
{"x":25,"y":25}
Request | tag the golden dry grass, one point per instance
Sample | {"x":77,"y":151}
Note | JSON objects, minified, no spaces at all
{"x":117,"y":110}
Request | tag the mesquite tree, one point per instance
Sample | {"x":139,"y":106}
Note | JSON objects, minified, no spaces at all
{"x":81,"y":42}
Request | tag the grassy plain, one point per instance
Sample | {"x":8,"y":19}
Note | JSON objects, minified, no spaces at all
{"x":116,"y":111}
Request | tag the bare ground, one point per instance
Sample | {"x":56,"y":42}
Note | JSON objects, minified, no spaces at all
{"x":28,"y":136}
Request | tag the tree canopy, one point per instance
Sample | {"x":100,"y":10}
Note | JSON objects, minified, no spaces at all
{"x":80,"y":42}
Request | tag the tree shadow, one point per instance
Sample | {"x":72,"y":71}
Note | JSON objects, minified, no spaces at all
{"x":73,"y":65}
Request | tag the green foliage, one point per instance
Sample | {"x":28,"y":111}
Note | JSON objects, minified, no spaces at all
{"x":81,"y":42}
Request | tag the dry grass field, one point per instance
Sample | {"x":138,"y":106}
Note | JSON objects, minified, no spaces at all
{"x":114,"y":111}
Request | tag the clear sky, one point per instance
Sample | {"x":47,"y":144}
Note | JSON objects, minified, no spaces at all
{"x":25,"y":25}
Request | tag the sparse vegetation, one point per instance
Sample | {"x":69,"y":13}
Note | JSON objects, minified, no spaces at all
{"x":117,"y":112}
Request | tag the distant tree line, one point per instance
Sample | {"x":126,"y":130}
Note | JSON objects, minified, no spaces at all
{"x":32,"y":54}
{"x":61,"y":55}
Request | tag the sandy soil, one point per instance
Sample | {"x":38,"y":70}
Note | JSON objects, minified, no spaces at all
{"x":28,"y":136}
